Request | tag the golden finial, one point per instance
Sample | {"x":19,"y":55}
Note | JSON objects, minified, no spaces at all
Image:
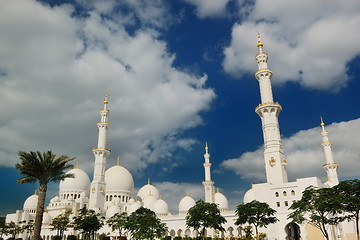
{"x":322,"y":122}
{"x":148,"y":181}
{"x":206,"y":146}
{"x":35,"y":192}
{"x":187,"y":194}
{"x":106,"y":99}
{"x":77,"y":165}
{"x":259,"y":44}
{"x":217,"y":190}
{"x":160,"y":197}
{"x":118,"y":161}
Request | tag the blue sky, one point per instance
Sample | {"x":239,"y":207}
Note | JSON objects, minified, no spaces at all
{"x":178,"y":73}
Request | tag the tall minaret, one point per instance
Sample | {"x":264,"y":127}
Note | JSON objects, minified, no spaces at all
{"x":269,"y":111}
{"x":208,"y":184}
{"x":97,"y":191}
{"x":330,"y":167}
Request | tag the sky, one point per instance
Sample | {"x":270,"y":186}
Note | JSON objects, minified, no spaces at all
{"x":178,"y":74}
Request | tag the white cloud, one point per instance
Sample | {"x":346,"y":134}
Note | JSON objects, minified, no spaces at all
{"x":305,"y":155}
{"x":56,"y":69}
{"x":209,"y":8}
{"x":310,"y":42}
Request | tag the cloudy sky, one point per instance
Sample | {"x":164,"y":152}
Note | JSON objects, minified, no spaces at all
{"x":178,"y":74}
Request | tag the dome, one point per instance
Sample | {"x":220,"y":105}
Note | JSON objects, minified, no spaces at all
{"x":113,"y":209}
{"x":148,"y":190}
{"x":55,"y":199}
{"x":249,"y":196}
{"x":31,"y":202}
{"x":149,"y":201}
{"x":185,"y":204}
{"x":80,"y":182}
{"x":221,"y":201}
{"x":46,"y":218}
{"x":118,"y":178}
{"x":133,"y":207}
{"x":161,"y":207}
{"x":131,"y":201}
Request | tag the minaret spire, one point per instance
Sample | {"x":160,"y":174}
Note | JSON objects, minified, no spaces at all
{"x":208,"y":183}
{"x":97,"y":193}
{"x":269,"y":111}
{"x":330,"y":166}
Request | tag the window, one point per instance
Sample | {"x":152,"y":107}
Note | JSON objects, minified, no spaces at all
{"x":278,"y":204}
{"x":284,"y":193}
{"x":276,"y":194}
{"x":292,"y":192}
{"x":286,"y":203}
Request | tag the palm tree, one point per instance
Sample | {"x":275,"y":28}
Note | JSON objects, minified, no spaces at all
{"x":42,"y":168}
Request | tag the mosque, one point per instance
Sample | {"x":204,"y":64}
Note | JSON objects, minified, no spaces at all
{"x":112,"y":191}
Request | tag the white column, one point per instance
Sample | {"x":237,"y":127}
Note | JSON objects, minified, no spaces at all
{"x":208,"y":183}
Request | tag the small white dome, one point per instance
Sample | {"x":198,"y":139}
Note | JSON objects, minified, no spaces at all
{"x":80,"y":182}
{"x":148,"y":190}
{"x":46,"y":218}
{"x":221,"y":201}
{"x":133,"y":207}
{"x":118,"y":178}
{"x":55,"y":199}
{"x":31,"y":202}
{"x":249,"y":196}
{"x":161,"y":207}
{"x":185,"y":204}
{"x":149,"y":201}
{"x":113,"y":209}
{"x":131,"y":201}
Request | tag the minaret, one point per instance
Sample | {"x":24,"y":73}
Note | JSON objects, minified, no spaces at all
{"x":330,"y":167}
{"x":269,"y":111}
{"x":97,"y":189}
{"x":208,"y":184}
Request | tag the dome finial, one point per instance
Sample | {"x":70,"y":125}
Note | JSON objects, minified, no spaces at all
{"x":322,"y":124}
{"x":106,"y":101}
{"x":77,"y":165}
{"x":217,"y":190}
{"x":148,"y":181}
{"x":187,"y":194}
{"x":259,"y":44}
{"x":118,"y":161}
{"x":206,"y":147}
{"x":35,"y":192}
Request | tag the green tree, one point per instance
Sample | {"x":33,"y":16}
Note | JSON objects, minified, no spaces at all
{"x":13,"y":229}
{"x":28,"y":227}
{"x":3,"y":229}
{"x":349,"y":193}
{"x":258,"y":214}
{"x":144,"y":224}
{"x":317,"y":206}
{"x":117,"y":222}
{"x":205,"y":215}
{"x":61,"y":223}
{"x":42,"y":168}
{"x":88,"y":222}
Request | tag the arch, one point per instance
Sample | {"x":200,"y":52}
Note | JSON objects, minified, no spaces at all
{"x":230,"y":231}
{"x":195,"y":233}
{"x":284,"y":193}
{"x":292,"y":231}
{"x":239,"y":230}
{"x":179,"y":233}
{"x":276,"y":194}
{"x":172,"y":233}
{"x":292,"y":192}
{"x":187,"y":233}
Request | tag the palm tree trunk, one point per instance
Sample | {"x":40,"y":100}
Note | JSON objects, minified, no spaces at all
{"x":39,"y":211}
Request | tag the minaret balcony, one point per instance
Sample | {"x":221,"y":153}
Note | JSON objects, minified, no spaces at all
{"x":330,"y":166}
{"x":267,"y":108}
{"x":99,"y":151}
{"x":264,"y":72}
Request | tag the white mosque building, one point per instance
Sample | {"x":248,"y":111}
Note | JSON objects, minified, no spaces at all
{"x":112,"y":191}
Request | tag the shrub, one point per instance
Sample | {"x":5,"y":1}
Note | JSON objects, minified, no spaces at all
{"x":177,"y":238}
{"x":55,"y":238}
{"x":71,"y":237}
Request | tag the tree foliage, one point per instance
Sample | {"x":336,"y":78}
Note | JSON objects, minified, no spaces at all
{"x":61,"y":223}
{"x":144,"y":224}
{"x":258,"y":214}
{"x":117,"y":222}
{"x":13,"y":229}
{"x":88,"y":222}
{"x":205,"y":215}
{"x":317,"y":206}
{"x":42,"y":168}
{"x":349,"y":193}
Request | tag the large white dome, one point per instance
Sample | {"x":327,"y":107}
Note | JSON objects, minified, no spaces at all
{"x":80,"y":182}
{"x":221,"y":201}
{"x":149,"y":201}
{"x":30,"y":203}
{"x":46,"y":218}
{"x":113,"y":209}
{"x":118,"y":178}
{"x":133,"y":207}
{"x":148,"y":190}
{"x":185,"y":204}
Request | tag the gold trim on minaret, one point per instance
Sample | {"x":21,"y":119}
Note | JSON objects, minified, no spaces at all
{"x":259,"y":44}
{"x":322,"y":122}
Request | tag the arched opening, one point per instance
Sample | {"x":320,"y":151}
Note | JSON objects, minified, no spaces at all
{"x":230,"y":231}
{"x":179,"y":233}
{"x":187,"y":233}
{"x":172,"y":233}
{"x":292,"y":231}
